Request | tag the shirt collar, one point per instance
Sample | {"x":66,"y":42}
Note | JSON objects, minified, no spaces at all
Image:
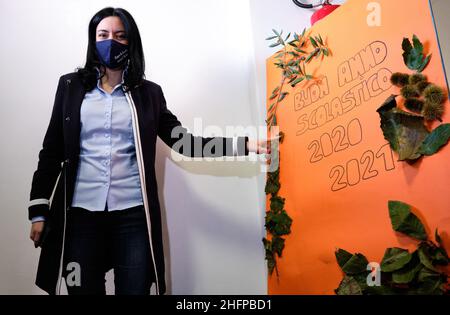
{"x":99,"y":80}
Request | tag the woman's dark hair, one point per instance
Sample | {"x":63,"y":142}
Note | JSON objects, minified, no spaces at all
{"x":135,"y":74}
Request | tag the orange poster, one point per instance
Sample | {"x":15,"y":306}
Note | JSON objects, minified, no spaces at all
{"x":337,"y":172}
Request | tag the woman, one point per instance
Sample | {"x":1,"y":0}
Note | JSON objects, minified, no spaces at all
{"x":99,"y":149}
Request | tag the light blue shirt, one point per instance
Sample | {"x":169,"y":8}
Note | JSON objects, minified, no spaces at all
{"x":107,"y":170}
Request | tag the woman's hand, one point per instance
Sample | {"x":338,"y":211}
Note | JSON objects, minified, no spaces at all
{"x":36,"y":231}
{"x":261,"y":146}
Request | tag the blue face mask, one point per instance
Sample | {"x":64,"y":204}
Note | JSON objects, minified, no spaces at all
{"x":112,"y":54}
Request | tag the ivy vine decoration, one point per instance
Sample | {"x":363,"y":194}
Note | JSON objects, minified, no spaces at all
{"x":297,"y":51}
{"x":424,"y":102}
{"x":402,"y":272}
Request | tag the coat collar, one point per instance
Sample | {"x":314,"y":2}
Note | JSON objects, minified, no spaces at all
{"x":99,"y":74}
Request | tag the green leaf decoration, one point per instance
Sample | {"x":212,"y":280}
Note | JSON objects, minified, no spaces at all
{"x":283,"y":95}
{"x":425,"y":63}
{"x":300,"y":51}
{"x":308,"y":59}
{"x":394,"y":259}
{"x":361,"y":278}
{"x":426,"y":274}
{"x":407,"y":47}
{"x":297,"y":81}
{"x":271,"y":37}
{"x":408,"y":272}
{"x":355,"y":265}
{"x":425,"y":255}
{"x":270,"y":255}
{"x":273,"y":96}
{"x":294,"y":77}
{"x":320,"y":40}
{"x":270,"y":108}
{"x":431,"y":284}
{"x":418,"y":46}
{"x":413,"y":54}
{"x":272,"y":187}
{"x":273,"y":183}
{"x":287,"y":37}
{"x":284,"y":223}
{"x":275,"y":44}
{"x":404,"y":221}
{"x":438,"y":138}
{"x":278,"y":245}
{"x":404,"y":131}
{"x":278,"y":223}
{"x":440,"y":257}
{"x":313,"y":42}
{"x":277,"y":203}
{"x":342,"y":256}
{"x":349,"y":286}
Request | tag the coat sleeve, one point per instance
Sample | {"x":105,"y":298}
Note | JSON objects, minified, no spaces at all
{"x":51,"y":157}
{"x":171,"y":131}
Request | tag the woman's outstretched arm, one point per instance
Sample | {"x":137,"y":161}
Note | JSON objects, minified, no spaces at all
{"x":171,"y":131}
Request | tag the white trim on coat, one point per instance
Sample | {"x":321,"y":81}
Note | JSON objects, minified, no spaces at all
{"x":137,"y":141}
{"x":40,"y":201}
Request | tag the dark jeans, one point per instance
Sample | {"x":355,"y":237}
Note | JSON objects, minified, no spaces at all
{"x":99,"y":241}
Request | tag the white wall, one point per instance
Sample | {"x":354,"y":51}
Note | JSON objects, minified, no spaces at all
{"x":201,"y":53}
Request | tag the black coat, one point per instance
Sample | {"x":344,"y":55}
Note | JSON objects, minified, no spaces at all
{"x":58,"y":163}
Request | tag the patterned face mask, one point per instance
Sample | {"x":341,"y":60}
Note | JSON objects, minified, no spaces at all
{"x":112,"y":54}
